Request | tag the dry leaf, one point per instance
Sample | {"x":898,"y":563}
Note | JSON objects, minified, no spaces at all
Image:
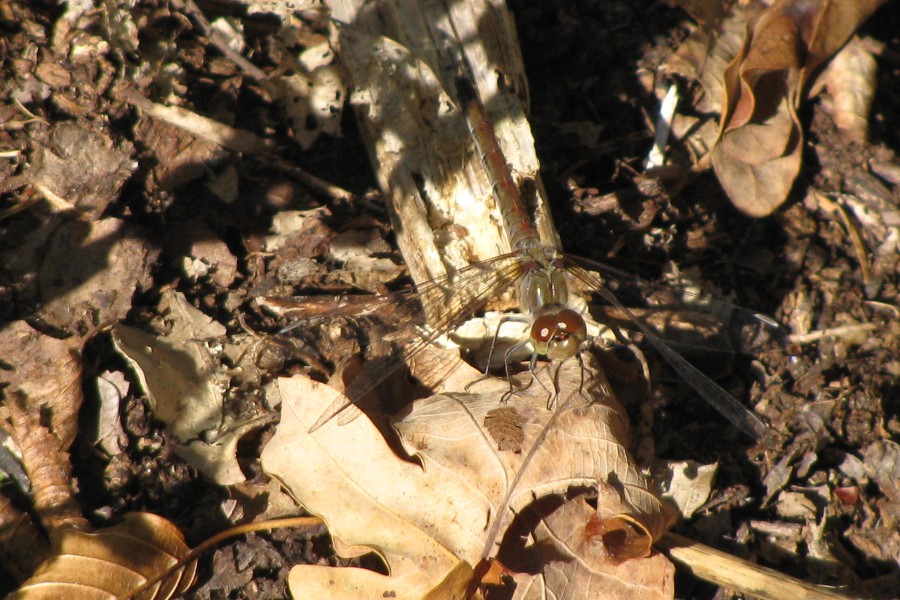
{"x":850,"y":79}
{"x":572,"y":542}
{"x":47,"y":371}
{"x":49,"y":474}
{"x":22,"y":546}
{"x":430,"y":521}
{"x":186,"y":387}
{"x":47,"y":466}
{"x":758,"y":153}
{"x":708,"y":50}
{"x":826,"y":25}
{"x":112,"y":562}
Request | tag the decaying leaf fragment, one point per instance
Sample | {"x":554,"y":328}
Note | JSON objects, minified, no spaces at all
{"x":47,"y":371}
{"x":850,"y":79}
{"x":112,"y":562}
{"x":757,"y":154}
{"x":186,"y":387}
{"x":90,"y":272}
{"x":442,"y":518}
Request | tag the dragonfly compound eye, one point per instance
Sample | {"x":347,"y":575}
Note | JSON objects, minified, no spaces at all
{"x":558,"y":332}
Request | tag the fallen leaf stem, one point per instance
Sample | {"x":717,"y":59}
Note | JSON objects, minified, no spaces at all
{"x":222,"y":536}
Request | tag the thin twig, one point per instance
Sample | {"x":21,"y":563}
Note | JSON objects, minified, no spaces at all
{"x":219,"y":538}
{"x":862,"y":255}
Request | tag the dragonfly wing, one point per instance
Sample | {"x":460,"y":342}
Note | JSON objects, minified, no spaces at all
{"x":733,"y":329}
{"x":399,"y":322}
{"x":718,"y":398}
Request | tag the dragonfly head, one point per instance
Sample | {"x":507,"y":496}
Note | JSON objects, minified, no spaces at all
{"x":557,"y":332}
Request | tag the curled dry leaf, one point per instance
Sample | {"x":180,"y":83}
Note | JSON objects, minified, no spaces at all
{"x":758,"y":152}
{"x":580,"y":554}
{"x":710,"y":47}
{"x":432,"y":521}
{"x":111,"y":563}
{"x":47,"y":466}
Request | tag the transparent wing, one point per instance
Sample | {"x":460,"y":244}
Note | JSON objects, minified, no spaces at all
{"x":403,"y":323}
{"x":610,"y":280}
{"x":698,"y":320}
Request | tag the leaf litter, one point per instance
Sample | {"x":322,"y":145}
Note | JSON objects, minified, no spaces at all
{"x":832,"y":499}
{"x":452,"y":504}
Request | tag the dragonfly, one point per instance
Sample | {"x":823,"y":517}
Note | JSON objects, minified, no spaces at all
{"x":541,"y":276}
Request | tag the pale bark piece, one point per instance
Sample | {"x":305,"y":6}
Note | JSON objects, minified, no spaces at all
{"x":850,"y":79}
{"x":431,"y":521}
{"x":112,"y":387}
{"x":402,"y":59}
{"x":312,"y":98}
{"x":686,"y":484}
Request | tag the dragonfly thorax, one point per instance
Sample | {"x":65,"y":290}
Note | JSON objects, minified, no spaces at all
{"x":557,"y":332}
{"x":543,"y":284}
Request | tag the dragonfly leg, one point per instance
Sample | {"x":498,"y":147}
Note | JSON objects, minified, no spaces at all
{"x":554,"y":394}
{"x":493,"y":347}
{"x":507,"y":359}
